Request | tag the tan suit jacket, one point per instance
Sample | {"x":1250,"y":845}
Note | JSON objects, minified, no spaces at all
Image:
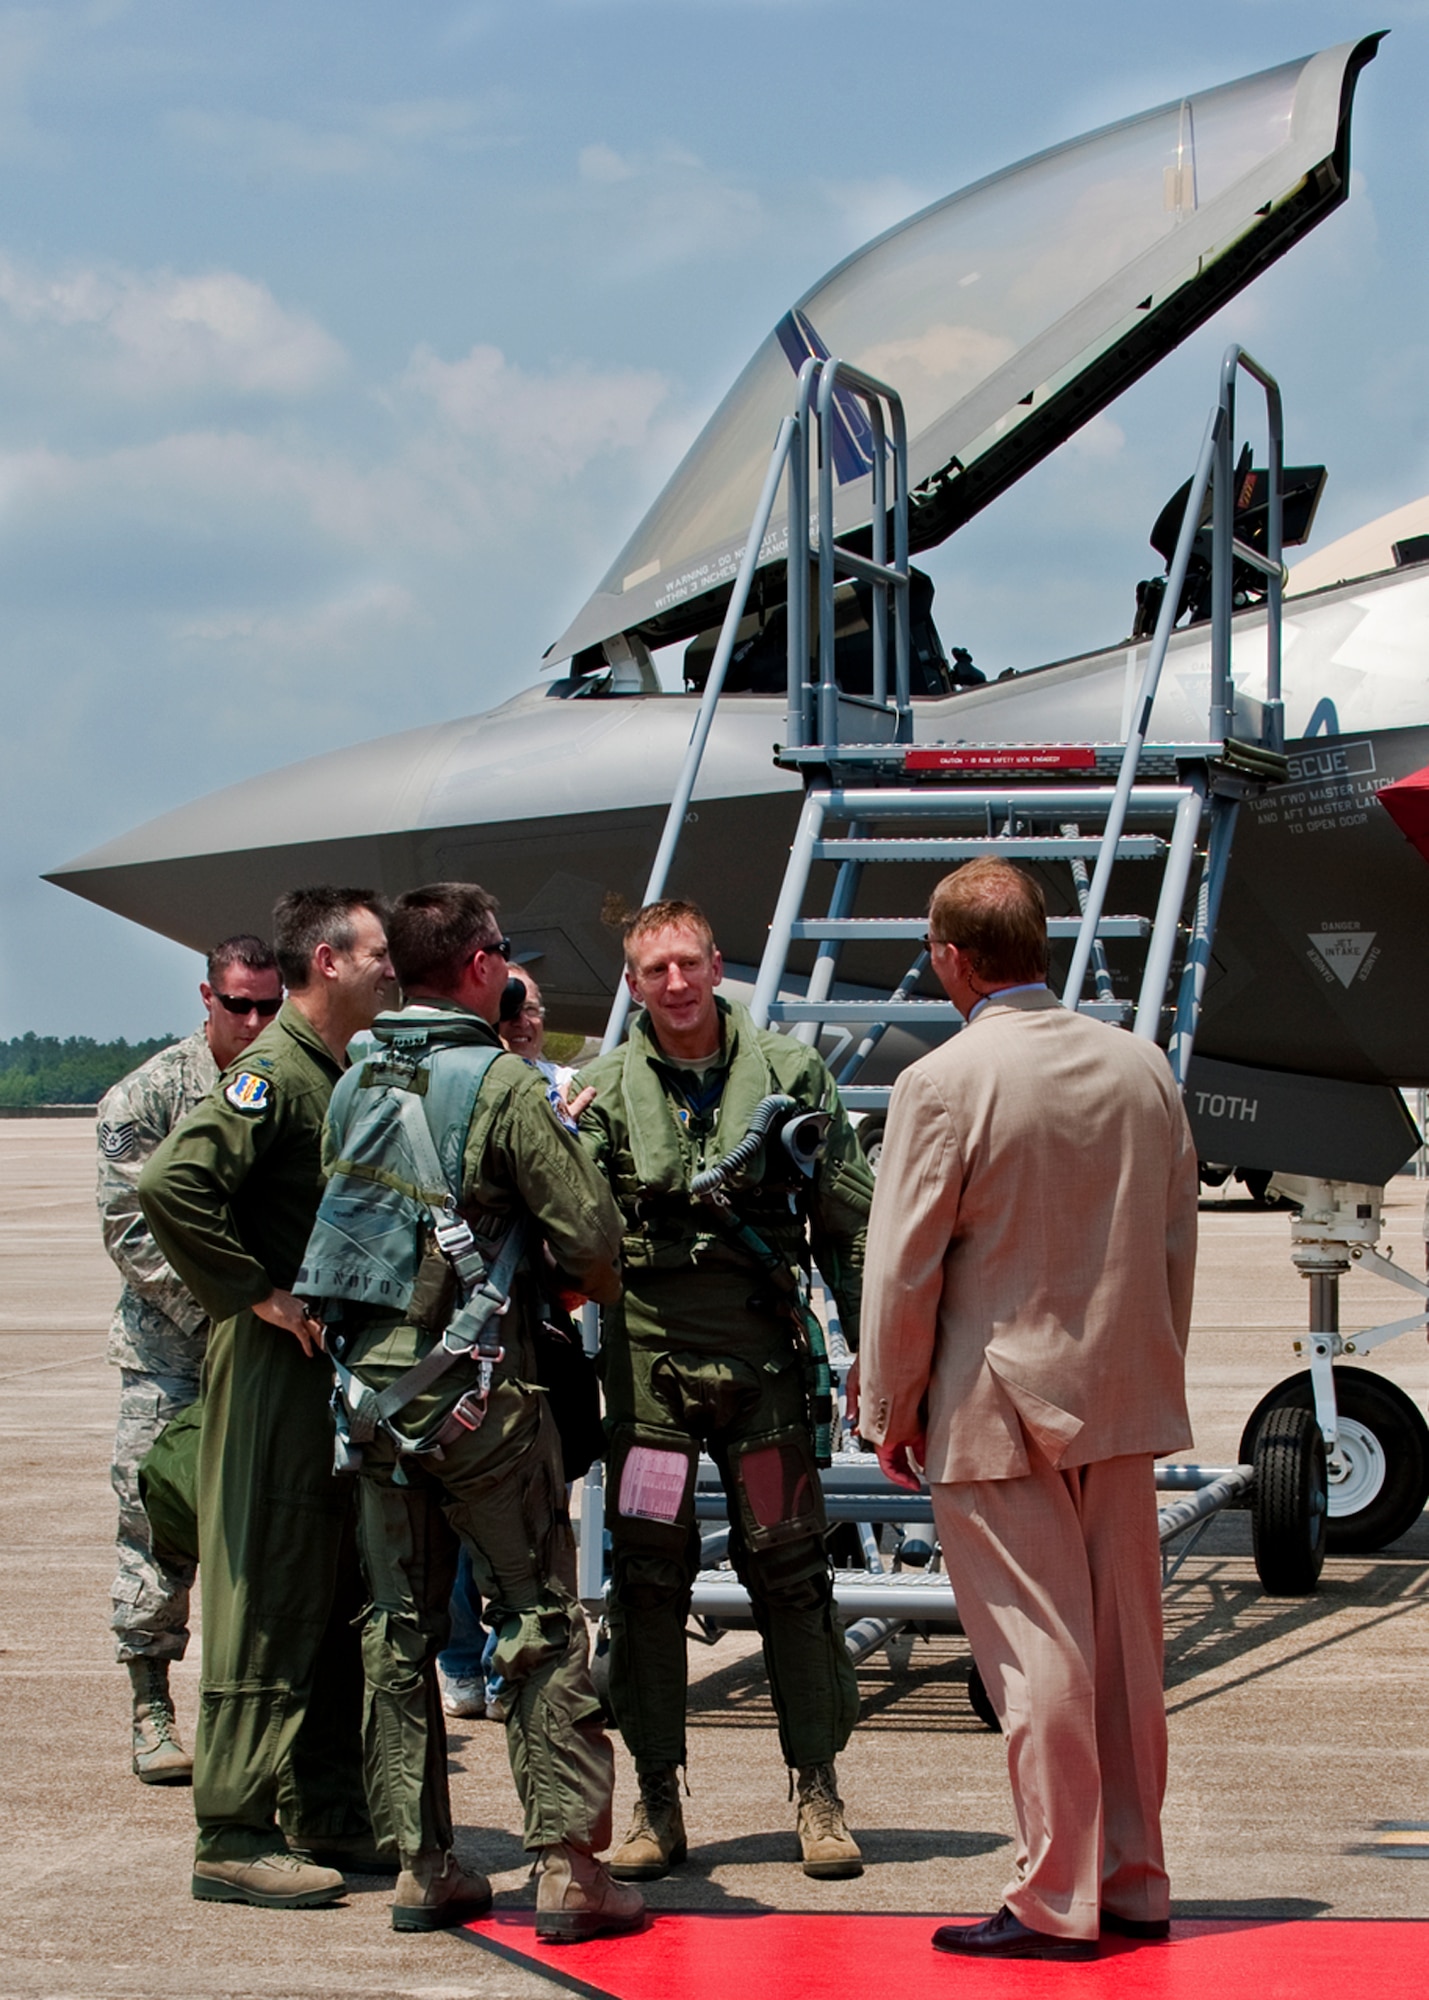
{"x":1032,"y":1246}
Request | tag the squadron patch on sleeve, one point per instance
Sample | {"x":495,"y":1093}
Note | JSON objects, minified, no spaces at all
{"x":248,"y":1092}
{"x":118,"y":1142}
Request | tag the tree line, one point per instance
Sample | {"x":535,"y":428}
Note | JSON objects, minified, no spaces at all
{"x":43,"y":1069}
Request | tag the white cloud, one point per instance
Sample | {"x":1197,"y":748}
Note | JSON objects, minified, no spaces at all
{"x":603,"y":163}
{"x":1101,"y":439}
{"x":355,"y":140}
{"x":167,"y":332}
{"x":663,"y":207}
{"x":551,"y":424}
{"x":339,"y":625}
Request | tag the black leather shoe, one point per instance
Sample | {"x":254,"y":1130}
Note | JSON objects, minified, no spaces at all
{"x":1150,"y":1930}
{"x":1003,"y":1936}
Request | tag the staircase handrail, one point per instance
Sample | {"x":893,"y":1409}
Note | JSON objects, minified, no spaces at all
{"x":789,"y":429}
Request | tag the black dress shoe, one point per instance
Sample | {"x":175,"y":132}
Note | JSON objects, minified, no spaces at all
{"x":1003,"y":1936}
{"x":1150,"y":1930}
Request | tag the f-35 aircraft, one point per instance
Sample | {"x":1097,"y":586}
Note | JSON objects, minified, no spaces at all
{"x":1006,"y":315}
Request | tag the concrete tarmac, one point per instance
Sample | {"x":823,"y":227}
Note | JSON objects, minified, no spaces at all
{"x":1297,"y":1726}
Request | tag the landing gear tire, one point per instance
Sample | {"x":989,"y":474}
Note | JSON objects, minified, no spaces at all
{"x":979,"y":1702}
{"x":1378,"y":1491}
{"x":1289,"y":1504}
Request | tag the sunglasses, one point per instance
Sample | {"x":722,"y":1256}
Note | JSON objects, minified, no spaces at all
{"x":236,"y":1003}
{"x":502,"y":947}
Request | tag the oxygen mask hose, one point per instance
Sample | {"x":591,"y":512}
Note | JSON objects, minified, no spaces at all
{"x":766,"y":1112}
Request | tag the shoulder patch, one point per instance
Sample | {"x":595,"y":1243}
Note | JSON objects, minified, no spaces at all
{"x":118,"y":1142}
{"x":248,"y":1092}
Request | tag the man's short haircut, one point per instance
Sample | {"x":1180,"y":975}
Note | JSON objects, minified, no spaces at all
{"x":995,"y":912}
{"x":254,"y":954}
{"x":434,"y":931}
{"x":664,"y":916}
{"x":305,"y":918}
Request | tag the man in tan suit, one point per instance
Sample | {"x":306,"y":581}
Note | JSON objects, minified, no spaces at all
{"x":1026,"y":1302}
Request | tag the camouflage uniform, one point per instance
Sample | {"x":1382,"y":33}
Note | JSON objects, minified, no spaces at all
{"x":156,"y":1338}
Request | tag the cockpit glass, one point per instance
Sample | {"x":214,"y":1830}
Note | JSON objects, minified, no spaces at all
{"x":976,"y":309}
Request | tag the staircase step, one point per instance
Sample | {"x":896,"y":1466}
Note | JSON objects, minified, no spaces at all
{"x":1017,"y":847}
{"x":857,"y":930}
{"x":923,"y":1013}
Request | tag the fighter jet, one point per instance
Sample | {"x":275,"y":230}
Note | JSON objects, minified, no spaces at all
{"x":1006,"y":315}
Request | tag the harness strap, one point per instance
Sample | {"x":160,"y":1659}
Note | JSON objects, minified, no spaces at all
{"x":485,"y":1290}
{"x":807,"y":1329}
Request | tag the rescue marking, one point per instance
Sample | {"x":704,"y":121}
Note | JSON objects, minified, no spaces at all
{"x":248,"y":1092}
{"x":1315,"y":767}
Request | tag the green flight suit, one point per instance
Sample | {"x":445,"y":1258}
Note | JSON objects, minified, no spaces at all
{"x":230,"y":1197}
{"x":499,"y":1489}
{"x":702,"y":1351}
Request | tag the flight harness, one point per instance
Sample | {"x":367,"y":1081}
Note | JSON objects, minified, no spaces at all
{"x":803,"y":1135}
{"x":366,"y":1244}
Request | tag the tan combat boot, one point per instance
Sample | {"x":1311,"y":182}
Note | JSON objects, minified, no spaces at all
{"x":575,"y":1898}
{"x":436,"y":1893}
{"x":656,"y":1841}
{"x":159,"y":1757}
{"x":830,"y":1850}
{"x":273,"y":1881}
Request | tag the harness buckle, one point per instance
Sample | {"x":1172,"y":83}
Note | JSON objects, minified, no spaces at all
{"x":470,"y":1412}
{"x":454,"y":1235}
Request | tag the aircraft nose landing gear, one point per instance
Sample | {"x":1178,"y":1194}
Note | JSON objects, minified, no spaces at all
{"x":1376,"y":1440}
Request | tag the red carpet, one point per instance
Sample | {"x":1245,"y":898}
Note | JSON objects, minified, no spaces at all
{"x":804,"y":1957}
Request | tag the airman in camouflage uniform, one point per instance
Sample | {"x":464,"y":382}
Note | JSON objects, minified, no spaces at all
{"x":159,"y":1331}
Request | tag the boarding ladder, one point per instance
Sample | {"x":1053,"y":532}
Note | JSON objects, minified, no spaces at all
{"x":891,"y":814}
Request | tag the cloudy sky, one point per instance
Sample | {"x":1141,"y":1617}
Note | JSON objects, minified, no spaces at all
{"x":342,"y":345}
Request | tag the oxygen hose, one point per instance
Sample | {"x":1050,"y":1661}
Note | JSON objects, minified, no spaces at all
{"x":766,"y":1111}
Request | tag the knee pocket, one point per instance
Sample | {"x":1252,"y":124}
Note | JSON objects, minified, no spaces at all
{"x":650,"y":1494}
{"x":644,"y":1580}
{"x":792,"y":1575}
{"x":396,"y":1650}
{"x":776,"y":1488}
{"x":528,"y":1641}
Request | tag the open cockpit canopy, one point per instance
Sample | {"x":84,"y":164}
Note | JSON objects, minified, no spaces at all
{"x":1005,"y":315}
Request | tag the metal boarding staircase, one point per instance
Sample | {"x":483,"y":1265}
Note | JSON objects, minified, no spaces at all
{"x":877,"y":800}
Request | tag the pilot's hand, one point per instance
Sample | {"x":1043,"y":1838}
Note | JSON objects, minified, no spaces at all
{"x":286,"y":1310}
{"x":902,"y":1462}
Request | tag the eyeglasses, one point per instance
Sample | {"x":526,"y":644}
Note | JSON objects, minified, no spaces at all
{"x":239,"y":1003}
{"x":533,"y":1011}
{"x":501,"y":946}
{"x":929,"y":941}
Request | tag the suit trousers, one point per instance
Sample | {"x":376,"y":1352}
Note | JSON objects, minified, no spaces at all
{"x":1058,"y":1582}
